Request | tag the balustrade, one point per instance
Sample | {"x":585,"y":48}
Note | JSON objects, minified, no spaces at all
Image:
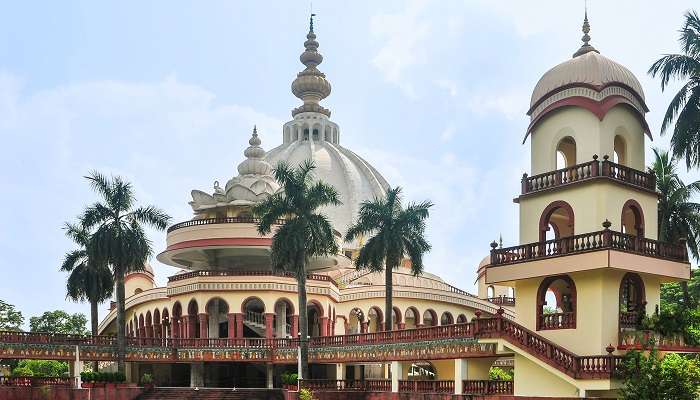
{"x":629,"y":319}
{"x":502,"y":301}
{"x":487,"y":387}
{"x":374,"y":385}
{"x":283,"y":274}
{"x":35,"y":381}
{"x":563,"y":320}
{"x":426,"y":386}
{"x":226,"y":220}
{"x":586,"y":171}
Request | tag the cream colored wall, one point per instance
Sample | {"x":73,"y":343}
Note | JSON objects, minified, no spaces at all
{"x":532,"y":380}
{"x":478,"y":368}
{"x":445,"y":369}
{"x":592,"y":136}
{"x":597,"y":309}
{"x":139,"y":281}
{"x":403,"y":304}
{"x":593,"y":202}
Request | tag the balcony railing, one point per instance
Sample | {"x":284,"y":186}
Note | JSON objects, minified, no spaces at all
{"x":629,"y":319}
{"x":283,"y":274}
{"x":212,"y":221}
{"x":502,"y":301}
{"x":35,"y":381}
{"x":589,"y":170}
{"x":485,"y":387}
{"x":600,"y":240}
{"x":427,"y":386}
{"x":564,"y":320}
{"x":364,"y":385}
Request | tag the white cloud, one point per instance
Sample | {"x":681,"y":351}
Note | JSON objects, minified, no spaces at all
{"x":512,"y":104}
{"x":403,"y":35}
{"x":448,"y":85}
{"x":448,"y":133}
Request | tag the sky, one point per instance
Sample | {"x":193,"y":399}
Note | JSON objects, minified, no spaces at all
{"x":165,"y":93}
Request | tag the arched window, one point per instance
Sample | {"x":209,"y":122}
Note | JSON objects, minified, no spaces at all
{"x":462,"y":319}
{"x":395,"y":318}
{"x":632,"y":220}
{"x":314,"y":312}
{"x":620,"y":150}
{"x":511,"y":292}
{"x":355,"y":321}
{"x":557,"y":221}
{"x":375,"y":319}
{"x":315,"y":135}
{"x":411,"y":318}
{"x":446,"y":319}
{"x":284,"y":311}
{"x":556,"y":303}
{"x":490,"y":292}
{"x":429,"y":318}
{"x":138,"y":290}
{"x":566,"y":153}
{"x":253,"y":317}
{"x":632,"y":300}
{"x":306,"y":134}
{"x":217,"y":311}
{"x":192,"y":319}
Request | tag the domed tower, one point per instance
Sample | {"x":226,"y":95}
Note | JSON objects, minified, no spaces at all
{"x":312,"y":135}
{"x":589,"y":266}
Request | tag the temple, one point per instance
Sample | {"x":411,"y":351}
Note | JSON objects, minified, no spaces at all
{"x":587,"y":269}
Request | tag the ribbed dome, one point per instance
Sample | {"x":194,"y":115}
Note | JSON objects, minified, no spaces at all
{"x":591,"y":69}
{"x":354,"y":178}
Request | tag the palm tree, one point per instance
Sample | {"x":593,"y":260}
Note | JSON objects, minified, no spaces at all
{"x":88,"y":280}
{"x":306,"y":233}
{"x":397,"y":232}
{"x":685,"y":105}
{"x":119,"y":239}
{"x":679,"y":216}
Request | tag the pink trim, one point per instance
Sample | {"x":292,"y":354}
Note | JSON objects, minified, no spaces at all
{"x":220,"y":242}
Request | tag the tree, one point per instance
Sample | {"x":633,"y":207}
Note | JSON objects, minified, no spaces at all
{"x":59,"y":322}
{"x":397,"y":233}
{"x":51,"y":368}
{"x":305,"y":234}
{"x":10,"y":318}
{"x":684,"y":108}
{"x":88,"y":280}
{"x":119,"y":239}
{"x":678,"y":215}
{"x":648,"y":377}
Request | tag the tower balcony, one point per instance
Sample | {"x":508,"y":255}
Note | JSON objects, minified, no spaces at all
{"x":585,"y":172}
{"x":229,"y":243}
{"x":588,"y":251}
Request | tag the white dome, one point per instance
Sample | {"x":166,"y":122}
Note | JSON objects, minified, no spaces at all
{"x":354,"y":178}
{"x":591,"y":69}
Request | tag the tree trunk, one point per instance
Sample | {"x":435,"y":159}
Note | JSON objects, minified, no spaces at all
{"x":388,"y":298}
{"x":93,"y":322}
{"x":686,"y":294}
{"x":303,"y":323}
{"x":121,"y":321}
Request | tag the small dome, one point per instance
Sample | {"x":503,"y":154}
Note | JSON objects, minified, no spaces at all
{"x":147,"y":269}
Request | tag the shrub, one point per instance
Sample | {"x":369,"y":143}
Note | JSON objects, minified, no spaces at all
{"x":121,"y":377}
{"x":290,"y":378}
{"x":50,"y":368}
{"x":306,"y":394}
{"x":648,"y":377}
{"x":499,"y":374}
{"x":147,"y":379}
{"x":22,"y":371}
{"x":87,"y":376}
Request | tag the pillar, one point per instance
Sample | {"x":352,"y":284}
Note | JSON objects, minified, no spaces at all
{"x":231,"y":318}
{"x":191,"y":326}
{"x":270,"y":370}
{"x":295,"y":326}
{"x":460,"y":374}
{"x":76,"y":367}
{"x":363,"y":327}
{"x":269,"y":327}
{"x":203,"y":325}
{"x":175,"y":332}
{"x":197,"y":374}
{"x":323,"y":326}
{"x":402,"y":326}
{"x":340,"y":371}
{"x":396,"y":374}
{"x":239,"y":325}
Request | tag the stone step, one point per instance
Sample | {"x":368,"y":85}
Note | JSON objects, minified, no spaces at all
{"x":212,"y":394}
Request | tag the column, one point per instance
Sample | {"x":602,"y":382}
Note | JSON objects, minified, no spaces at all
{"x":203,"y":325}
{"x":76,"y":367}
{"x":460,"y":374}
{"x":270,"y":370}
{"x":340,"y":371}
{"x":239,"y":325}
{"x":363,"y":327}
{"x":323,"y":325}
{"x":191,"y":326}
{"x":269,"y":328}
{"x":295,"y":326}
{"x":231,"y":318}
{"x":197,"y":374}
{"x":396,"y":374}
{"x":175,"y":333}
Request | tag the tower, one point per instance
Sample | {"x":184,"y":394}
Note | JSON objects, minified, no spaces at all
{"x":588,"y":266}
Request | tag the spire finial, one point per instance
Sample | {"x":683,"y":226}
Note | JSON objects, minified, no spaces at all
{"x":255,"y":130}
{"x":311,"y":85}
{"x":311,"y":22}
{"x":586,"y":38}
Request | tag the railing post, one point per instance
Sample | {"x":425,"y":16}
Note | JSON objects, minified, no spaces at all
{"x":524,"y":185}
{"x":606,"y":166}
{"x":476,"y":322}
{"x":607,"y":233}
{"x":595,"y":169}
{"x":611,"y":359}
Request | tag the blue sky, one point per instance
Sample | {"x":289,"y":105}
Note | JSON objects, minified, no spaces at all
{"x":165,"y":93}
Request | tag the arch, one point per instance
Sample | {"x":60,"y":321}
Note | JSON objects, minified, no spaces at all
{"x":156,"y":316}
{"x":282,"y":321}
{"x":511,"y":292}
{"x":462,"y":319}
{"x":375,"y":318}
{"x":566,"y":149}
{"x":253,"y":301}
{"x":314,"y":313}
{"x":632,"y":218}
{"x":217,"y":310}
{"x":430,"y":318}
{"x":559,"y":216}
{"x":561,"y":315}
{"x":422,"y":371}
{"x":149,"y":318}
{"x":490,"y":292}
{"x":620,"y":155}
{"x":137,"y":291}
{"x":177,"y":310}
{"x":355,"y":320}
{"x":446,"y":318}
{"x":317,"y":304}
{"x":396,"y":317}
{"x":632,"y":300}
{"x":192,"y":308}
{"x":411,"y":317}
{"x":131,"y":328}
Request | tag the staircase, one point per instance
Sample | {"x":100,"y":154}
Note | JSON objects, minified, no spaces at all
{"x":173,"y":393}
{"x":256,"y":322}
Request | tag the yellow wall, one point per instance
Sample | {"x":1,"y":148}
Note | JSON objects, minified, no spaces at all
{"x":597,"y":309}
{"x":532,"y":380}
{"x":592,"y":136}
{"x":593,"y":202}
{"x":137,"y":281}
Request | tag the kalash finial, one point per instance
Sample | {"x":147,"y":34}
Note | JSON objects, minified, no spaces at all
{"x":586,"y":38}
{"x":311,"y":85}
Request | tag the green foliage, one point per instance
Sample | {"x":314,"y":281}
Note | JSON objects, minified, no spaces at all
{"x":50,"y":368}
{"x":648,"y":377}
{"x":684,"y":108}
{"x":147,"y":379}
{"x":10,"y":318}
{"x":290,"y":378}
{"x":395,"y":233}
{"x":59,"y":322}
{"x":306,"y":394}
{"x":500,"y":374}
{"x":103,"y":377}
